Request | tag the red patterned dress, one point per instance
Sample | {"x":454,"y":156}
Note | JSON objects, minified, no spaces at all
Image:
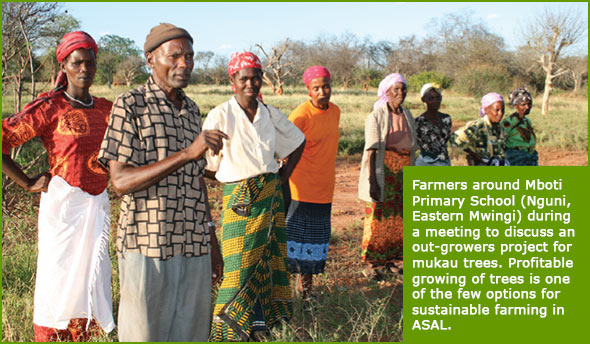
{"x":383,"y":232}
{"x":72,"y":138}
{"x":73,"y":281}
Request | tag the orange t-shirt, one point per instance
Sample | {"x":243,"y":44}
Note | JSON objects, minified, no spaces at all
{"x":313,"y":178}
{"x":72,"y":138}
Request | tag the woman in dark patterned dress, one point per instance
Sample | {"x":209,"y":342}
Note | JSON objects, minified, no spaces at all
{"x":433,"y":129}
{"x":520,"y":135}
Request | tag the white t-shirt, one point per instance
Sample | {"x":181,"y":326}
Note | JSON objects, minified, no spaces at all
{"x":253,"y":147}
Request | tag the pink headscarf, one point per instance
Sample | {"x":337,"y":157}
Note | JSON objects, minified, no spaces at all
{"x":315,"y":72}
{"x":488,"y":100}
{"x":384,"y":86}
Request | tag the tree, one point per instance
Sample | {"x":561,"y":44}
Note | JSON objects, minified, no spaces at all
{"x":549,"y":35}
{"x":277,"y":68}
{"x":577,"y":67}
{"x":50,"y":38}
{"x":377,"y":54}
{"x":129,"y":70}
{"x":201,"y":71}
{"x":219,"y":71}
{"x":113,"y":50}
{"x":460,"y":42}
{"x":409,"y":56}
{"x":23,"y":26}
{"x":525,"y":69}
{"x":342,"y":56}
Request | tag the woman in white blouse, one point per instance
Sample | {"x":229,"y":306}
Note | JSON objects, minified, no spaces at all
{"x":253,"y":233}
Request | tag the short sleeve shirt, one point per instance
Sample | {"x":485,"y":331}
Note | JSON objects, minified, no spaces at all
{"x":71,"y":136}
{"x":253,"y":147}
{"x":313,"y":178}
{"x":167,"y":219}
{"x":433,"y":139}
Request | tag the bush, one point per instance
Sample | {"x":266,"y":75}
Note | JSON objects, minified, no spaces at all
{"x":479,"y":80}
{"x":351,"y":144}
{"x":416,"y":81}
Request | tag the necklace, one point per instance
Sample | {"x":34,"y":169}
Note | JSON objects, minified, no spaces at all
{"x":79,"y":101}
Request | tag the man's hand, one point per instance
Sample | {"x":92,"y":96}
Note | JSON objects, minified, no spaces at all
{"x":207,"y":139}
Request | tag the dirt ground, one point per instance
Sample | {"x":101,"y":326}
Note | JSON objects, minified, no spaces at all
{"x":348,"y":211}
{"x":346,"y":208}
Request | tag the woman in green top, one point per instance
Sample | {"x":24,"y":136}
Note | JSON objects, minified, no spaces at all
{"x":520,"y":136}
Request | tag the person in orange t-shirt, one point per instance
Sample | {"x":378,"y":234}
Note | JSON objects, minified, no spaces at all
{"x":312,"y":182}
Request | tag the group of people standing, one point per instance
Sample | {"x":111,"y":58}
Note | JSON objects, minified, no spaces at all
{"x":152,"y":144}
{"x":278,"y":174}
{"x":394,"y":138}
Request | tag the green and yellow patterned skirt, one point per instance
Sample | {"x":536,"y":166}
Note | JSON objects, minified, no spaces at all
{"x":254,"y":247}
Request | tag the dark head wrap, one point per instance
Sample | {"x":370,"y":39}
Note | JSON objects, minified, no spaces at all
{"x":519,"y":96}
{"x":163,"y":33}
{"x":70,"y":42}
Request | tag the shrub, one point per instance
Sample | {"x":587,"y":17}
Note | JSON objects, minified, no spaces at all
{"x":479,"y":80}
{"x":416,"y":81}
{"x":351,"y":144}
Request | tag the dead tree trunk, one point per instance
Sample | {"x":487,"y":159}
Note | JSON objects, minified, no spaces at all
{"x":276,"y":68}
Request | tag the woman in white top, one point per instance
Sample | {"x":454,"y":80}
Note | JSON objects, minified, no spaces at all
{"x":253,"y":233}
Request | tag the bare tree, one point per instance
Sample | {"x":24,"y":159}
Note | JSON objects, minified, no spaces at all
{"x":460,"y":42}
{"x":548,"y":35}
{"x":129,"y":69}
{"x":577,"y":67}
{"x":219,"y":70}
{"x":344,"y":55}
{"x":23,"y":24}
{"x":276,"y":69}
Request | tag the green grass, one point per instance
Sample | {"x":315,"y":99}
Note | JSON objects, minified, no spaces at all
{"x":566,"y":110}
{"x":367,"y":310}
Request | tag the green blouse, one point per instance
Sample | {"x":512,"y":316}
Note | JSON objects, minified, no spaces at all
{"x":519,"y":133}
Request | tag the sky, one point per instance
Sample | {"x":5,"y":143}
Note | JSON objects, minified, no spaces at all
{"x":226,"y":27}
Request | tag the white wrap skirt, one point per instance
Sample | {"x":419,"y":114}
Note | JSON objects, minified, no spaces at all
{"x":73,"y":266}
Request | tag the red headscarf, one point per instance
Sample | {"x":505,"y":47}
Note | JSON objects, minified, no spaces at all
{"x":315,"y":72}
{"x":70,"y":42}
{"x":243,"y":60}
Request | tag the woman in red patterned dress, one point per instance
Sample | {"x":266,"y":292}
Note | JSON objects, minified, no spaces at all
{"x":73,"y":280}
{"x":390,"y":144}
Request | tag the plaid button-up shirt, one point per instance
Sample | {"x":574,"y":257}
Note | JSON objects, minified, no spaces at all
{"x":167,"y":219}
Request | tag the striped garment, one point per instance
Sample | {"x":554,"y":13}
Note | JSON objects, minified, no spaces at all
{"x":254,"y":253}
{"x":308,"y":236}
